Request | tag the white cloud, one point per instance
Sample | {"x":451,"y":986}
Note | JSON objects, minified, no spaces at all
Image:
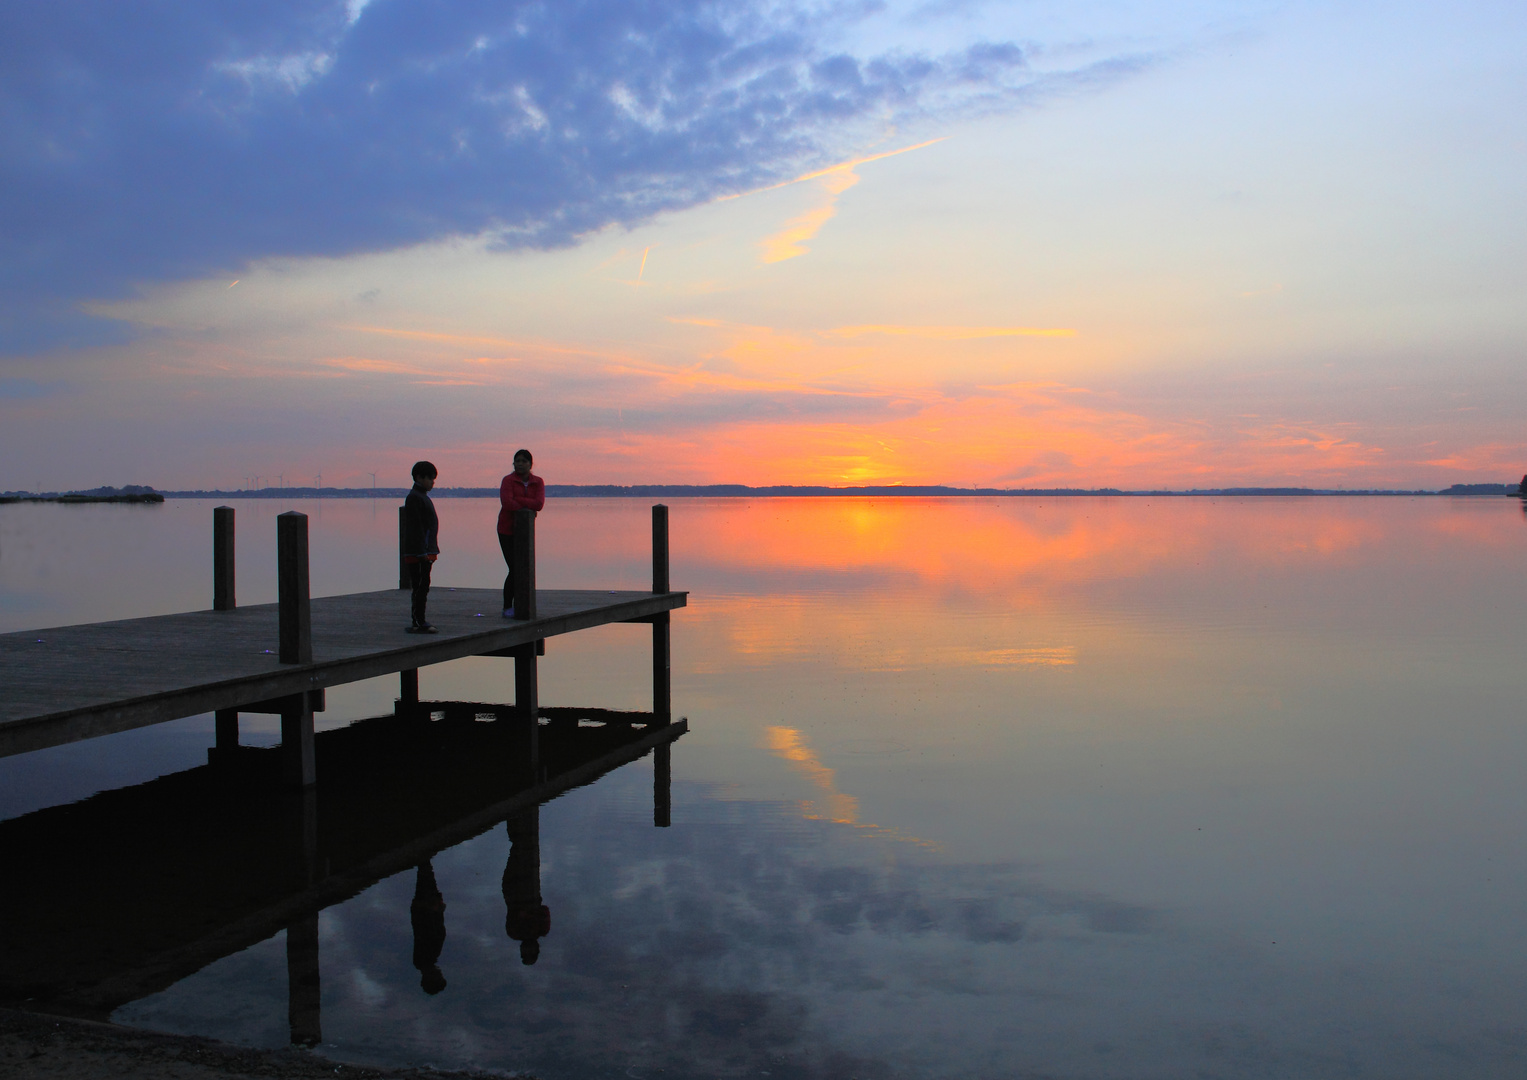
{"x":291,"y":72}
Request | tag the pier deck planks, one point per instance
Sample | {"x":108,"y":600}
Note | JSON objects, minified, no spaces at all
{"x":69,"y":683}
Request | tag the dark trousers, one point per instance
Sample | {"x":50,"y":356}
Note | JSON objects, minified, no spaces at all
{"x":418,"y":577}
{"x":506,"y":545}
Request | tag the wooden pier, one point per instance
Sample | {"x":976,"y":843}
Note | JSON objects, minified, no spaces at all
{"x":70,"y":683}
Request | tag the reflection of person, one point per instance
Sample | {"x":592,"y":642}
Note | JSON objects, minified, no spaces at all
{"x":427,"y":913}
{"x":520,"y":490}
{"x":421,"y":541}
{"x":526,"y":919}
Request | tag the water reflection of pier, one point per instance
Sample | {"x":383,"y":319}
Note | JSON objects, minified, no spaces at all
{"x":119,"y":896}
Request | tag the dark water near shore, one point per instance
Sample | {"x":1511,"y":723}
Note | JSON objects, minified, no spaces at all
{"x":1081,"y":787}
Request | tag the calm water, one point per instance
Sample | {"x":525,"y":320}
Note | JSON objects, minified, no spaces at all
{"x":1075,"y":788}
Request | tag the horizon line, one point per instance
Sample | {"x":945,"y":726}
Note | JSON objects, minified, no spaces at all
{"x":782,"y":491}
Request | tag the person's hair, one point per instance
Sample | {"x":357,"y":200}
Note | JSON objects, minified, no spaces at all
{"x":424,"y":469}
{"x":523,"y":453}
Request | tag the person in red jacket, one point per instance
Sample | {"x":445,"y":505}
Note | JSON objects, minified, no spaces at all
{"x":521,"y":490}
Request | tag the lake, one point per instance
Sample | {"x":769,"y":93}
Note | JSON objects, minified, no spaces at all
{"x":1076,"y":787}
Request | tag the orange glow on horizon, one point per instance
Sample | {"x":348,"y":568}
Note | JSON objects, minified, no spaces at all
{"x":953,"y":333}
{"x":724,"y":401}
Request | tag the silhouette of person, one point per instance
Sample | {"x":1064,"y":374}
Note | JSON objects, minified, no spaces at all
{"x":520,"y":490}
{"x":427,"y":913}
{"x":526,"y":919}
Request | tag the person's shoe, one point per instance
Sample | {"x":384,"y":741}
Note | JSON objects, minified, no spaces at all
{"x":508,"y":613}
{"x":422,"y":628}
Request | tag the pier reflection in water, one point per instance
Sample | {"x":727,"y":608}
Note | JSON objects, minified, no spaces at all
{"x":166,"y":877}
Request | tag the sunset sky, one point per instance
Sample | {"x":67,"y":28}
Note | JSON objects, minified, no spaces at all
{"x":1013,"y":244}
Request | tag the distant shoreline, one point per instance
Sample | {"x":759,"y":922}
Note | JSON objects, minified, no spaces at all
{"x":71,"y":498}
{"x":784,"y":491}
{"x":733,"y":491}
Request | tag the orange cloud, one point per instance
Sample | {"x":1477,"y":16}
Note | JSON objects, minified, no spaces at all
{"x":1034,"y":435}
{"x":791,"y":241}
{"x":843,"y":165}
{"x":855,"y":404}
{"x":834,"y":181}
{"x":1491,"y":457}
{"x":953,"y":333}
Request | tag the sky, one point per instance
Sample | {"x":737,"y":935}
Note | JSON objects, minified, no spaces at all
{"x":1010,"y":244}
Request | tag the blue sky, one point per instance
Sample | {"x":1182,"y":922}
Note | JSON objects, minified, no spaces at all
{"x":1189,"y":243}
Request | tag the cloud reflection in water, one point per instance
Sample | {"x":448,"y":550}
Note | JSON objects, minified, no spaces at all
{"x":744,"y":935}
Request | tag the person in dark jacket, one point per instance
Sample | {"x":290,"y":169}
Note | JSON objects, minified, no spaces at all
{"x":520,"y":490}
{"x":421,"y":542}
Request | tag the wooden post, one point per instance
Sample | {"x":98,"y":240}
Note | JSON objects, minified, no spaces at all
{"x":403,"y":582}
{"x":660,"y":548}
{"x":298,"y":768}
{"x":408,"y":688}
{"x":527,"y":701}
{"x":292,"y":591}
{"x":222,"y":559}
{"x":662,"y":784}
{"x":302,"y":986}
{"x":524,"y":564}
{"x":307,"y":802}
{"x":662,"y":676}
{"x":227,"y":721}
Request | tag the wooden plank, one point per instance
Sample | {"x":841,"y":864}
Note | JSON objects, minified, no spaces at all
{"x":79,"y":682}
{"x":316,"y":701}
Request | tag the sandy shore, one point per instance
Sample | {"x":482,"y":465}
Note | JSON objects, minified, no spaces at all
{"x":57,"y":1048}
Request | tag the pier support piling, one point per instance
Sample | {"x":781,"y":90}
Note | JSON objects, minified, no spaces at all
{"x":660,"y":548}
{"x":527,"y":696}
{"x":227,"y":725}
{"x":222,"y":559}
{"x":408,"y":689}
{"x":662,"y":785}
{"x":662,"y":684}
{"x":524,"y":553}
{"x":295,"y":613}
{"x":298,"y":766}
{"x":304,"y":1007}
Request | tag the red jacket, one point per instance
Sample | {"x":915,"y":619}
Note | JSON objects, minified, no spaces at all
{"x":516,"y":494}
